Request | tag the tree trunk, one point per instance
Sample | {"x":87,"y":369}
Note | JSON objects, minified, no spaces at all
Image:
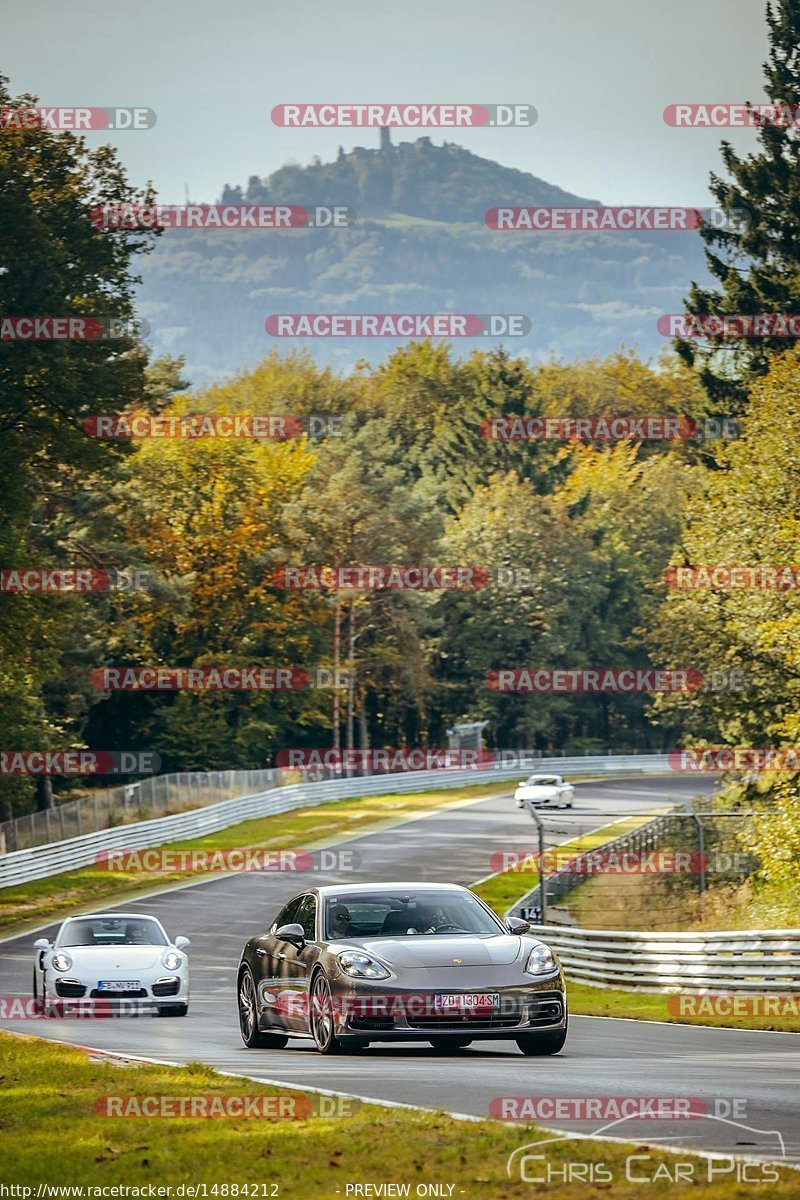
{"x":337,"y":639}
{"x":363,"y":733}
{"x":44,"y":793}
{"x":351,"y":666}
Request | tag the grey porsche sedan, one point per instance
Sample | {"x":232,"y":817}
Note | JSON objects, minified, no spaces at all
{"x":349,"y":965}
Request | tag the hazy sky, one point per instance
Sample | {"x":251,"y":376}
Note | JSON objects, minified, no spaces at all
{"x":599,"y":75}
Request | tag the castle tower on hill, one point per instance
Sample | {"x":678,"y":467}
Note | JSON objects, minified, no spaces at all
{"x":386,"y":140}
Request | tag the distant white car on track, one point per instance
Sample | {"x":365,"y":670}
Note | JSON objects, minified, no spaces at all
{"x":549,"y":790}
{"x":114,"y":956}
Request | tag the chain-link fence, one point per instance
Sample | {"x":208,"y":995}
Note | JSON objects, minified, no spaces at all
{"x":156,"y":796}
{"x":658,"y":876}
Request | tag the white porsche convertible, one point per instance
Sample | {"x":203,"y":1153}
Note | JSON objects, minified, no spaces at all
{"x":114,"y":956}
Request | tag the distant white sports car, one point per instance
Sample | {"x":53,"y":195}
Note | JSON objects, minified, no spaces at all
{"x":545,"y":789}
{"x":114,"y":956}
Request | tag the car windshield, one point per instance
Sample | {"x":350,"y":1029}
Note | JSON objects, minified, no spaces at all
{"x":113,"y":931}
{"x":543,"y":781}
{"x":406,"y":914}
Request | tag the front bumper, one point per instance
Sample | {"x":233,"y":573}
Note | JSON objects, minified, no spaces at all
{"x":159,"y":989}
{"x":402,"y":1014}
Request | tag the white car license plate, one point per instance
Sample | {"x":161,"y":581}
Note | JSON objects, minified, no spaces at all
{"x":118,"y":985}
{"x":480,"y":1000}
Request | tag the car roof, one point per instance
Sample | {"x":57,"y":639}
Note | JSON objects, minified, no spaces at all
{"x":547,"y":775}
{"x":111,"y":916}
{"x":403,"y":885}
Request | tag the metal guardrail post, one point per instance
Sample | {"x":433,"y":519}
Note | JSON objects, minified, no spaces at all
{"x":542,"y":881}
{"x":701,"y":848}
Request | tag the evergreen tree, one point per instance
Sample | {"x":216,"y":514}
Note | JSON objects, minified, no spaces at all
{"x":756,"y":255}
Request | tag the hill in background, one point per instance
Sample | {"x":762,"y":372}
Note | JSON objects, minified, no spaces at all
{"x":419,"y":244}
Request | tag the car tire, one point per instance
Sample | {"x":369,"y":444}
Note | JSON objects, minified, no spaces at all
{"x":251,"y":1035}
{"x":173,"y":1010}
{"x":539,"y":1044}
{"x":322,"y":1026}
{"x":450,"y":1043}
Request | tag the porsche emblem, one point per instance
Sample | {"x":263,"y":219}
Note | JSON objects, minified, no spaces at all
{"x":457,"y":961}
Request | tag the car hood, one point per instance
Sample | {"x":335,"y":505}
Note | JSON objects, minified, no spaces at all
{"x":438,"y":950}
{"x":544,"y":792}
{"x":114,"y":958}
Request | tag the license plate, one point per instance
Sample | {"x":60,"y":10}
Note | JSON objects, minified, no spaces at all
{"x":463,"y":1000}
{"x":118,"y":985}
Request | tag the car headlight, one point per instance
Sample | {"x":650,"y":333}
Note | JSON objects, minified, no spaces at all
{"x":361,"y":966}
{"x":171,"y":960}
{"x":62,"y":961}
{"x":540,"y":961}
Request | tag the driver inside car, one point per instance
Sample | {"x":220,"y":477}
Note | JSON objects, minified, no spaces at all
{"x":340,"y":921}
{"x":433,"y":919}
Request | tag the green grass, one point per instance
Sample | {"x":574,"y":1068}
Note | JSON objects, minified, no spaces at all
{"x":51,"y":1133}
{"x":23,"y":906}
{"x":591,"y":1001}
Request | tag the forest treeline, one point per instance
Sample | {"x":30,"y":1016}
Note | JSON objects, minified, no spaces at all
{"x":403,"y":475}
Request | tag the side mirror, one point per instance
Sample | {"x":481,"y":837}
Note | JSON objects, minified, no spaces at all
{"x":518,"y":926}
{"x":522,"y":783}
{"x":181,"y":943}
{"x":41,"y":944}
{"x":294,"y":934}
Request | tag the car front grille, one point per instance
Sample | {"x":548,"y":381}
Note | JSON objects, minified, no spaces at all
{"x":507,"y":1016}
{"x":138,"y":994}
{"x":375,"y":1024}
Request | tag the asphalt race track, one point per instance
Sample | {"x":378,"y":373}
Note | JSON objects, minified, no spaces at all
{"x":603,"y":1057}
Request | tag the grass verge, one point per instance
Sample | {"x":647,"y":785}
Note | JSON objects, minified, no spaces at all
{"x":22,"y":906}
{"x":588,"y":1001}
{"x":51,"y":1134}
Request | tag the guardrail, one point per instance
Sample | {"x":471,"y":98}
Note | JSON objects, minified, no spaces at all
{"x":749,"y":960}
{"x":39,"y":862}
{"x":156,"y":795}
